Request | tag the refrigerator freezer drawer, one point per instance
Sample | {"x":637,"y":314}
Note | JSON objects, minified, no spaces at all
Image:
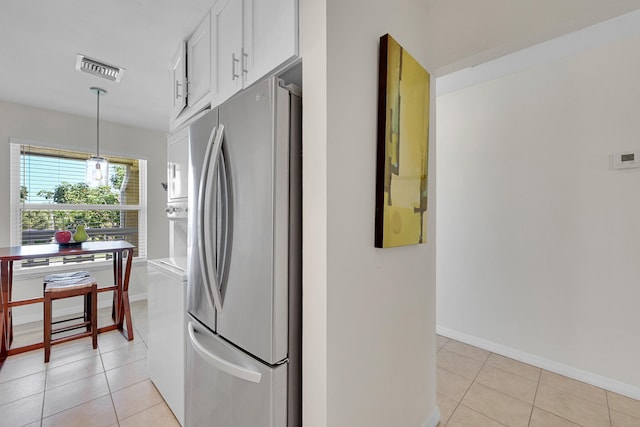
{"x":228,"y":388}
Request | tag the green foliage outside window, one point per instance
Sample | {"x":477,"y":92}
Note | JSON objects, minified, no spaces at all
{"x":76,"y":194}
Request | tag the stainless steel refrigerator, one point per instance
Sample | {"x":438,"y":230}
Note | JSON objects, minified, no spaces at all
{"x":243,"y":353}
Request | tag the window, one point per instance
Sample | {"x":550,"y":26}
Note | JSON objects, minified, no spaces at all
{"x":49,"y":193}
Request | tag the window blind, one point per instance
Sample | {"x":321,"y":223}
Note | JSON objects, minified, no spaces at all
{"x":49,"y":193}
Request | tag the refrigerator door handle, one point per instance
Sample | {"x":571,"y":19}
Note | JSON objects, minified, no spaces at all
{"x":204,"y":241}
{"x":227,"y":217}
{"x":210,"y":219}
{"x":220,"y":363}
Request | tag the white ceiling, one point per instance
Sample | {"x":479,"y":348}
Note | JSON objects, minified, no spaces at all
{"x":465,"y":33}
{"x":39,"y":40}
{"x":595,"y":36}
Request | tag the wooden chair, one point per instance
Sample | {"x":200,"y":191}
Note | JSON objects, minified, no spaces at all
{"x":65,"y":285}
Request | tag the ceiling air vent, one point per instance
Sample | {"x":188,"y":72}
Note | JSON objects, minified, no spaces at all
{"x":100,"y":69}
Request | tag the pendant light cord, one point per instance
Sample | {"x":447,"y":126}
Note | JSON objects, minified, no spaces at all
{"x":98,"y":91}
{"x":98,"y":125}
{"x":97,"y":167}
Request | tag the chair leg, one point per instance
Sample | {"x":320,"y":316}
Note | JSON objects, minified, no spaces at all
{"x":47,"y":327}
{"x":94,"y":316}
{"x":113,"y":307}
{"x":88,"y":308}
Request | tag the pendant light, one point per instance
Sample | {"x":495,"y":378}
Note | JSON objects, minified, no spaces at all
{"x":97,"y":167}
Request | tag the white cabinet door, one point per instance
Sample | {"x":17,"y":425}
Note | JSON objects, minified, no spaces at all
{"x":199,"y":62}
{"x":250,"y":39}
{"x":178,"y":82}
{"x":226,"y":53}
{"x":270,"y":36}
{"x":177,"y":165}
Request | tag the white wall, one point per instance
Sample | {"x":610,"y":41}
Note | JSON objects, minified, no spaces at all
{"x":369,"y":320}
{"x":537,"y":235}
{"x":75,"y":132}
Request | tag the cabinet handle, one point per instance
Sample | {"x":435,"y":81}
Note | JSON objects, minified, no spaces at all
{"x":178,"y":85}
{"x":245,"y":56}
{"x":233,"y":66}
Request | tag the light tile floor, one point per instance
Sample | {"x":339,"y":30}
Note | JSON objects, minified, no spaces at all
{"x":81,"y":386}
{"x":110,"y":386}
{"x":476,"y":388}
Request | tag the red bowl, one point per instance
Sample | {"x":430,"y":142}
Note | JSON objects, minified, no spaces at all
{"x":63,"y":236}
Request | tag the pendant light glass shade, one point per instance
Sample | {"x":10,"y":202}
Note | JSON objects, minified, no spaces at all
{"x":97,"y":167}
{"x":97,"y":171}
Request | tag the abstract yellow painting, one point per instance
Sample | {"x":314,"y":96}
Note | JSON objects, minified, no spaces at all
{"x":403,"y":148}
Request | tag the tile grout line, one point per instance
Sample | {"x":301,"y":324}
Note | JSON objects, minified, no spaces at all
{"x":474,"y":382}
{"x":502,"y":392}
{"x":145,"y":409}
{"x":104,"y":370}
{"x":542,"y":369}
{"x":514,"y":373}
{"x":575,"y":395}
{"x":608,"y":407}
{"x":506,"y":394}
{"x":563,"y":418}
{"x":468,"y":388}
{"x":37,"y":355}
{"x":162,"y":401}
{"x":465,"y":392}
{"x":74,"y":406}
{"x":44,"y":391}
{"x":21,"y":376}
{"x":533,"y":405}
{"x":535,"y":395}
{"x":517,"y":375}
{"x":109,"y":385}
{"x":570,"y":392}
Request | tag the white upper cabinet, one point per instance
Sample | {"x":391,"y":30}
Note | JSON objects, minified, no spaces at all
{"x":270,"y":36}
{"x":238,"y":43}
{"x":199,"y":63}
{"x":226,"y":52}
{"x":250,"y":38}
{"x":191,"y":74}
{"x":179,"y":81}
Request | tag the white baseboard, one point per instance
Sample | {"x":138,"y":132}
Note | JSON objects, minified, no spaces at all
{"x":39,"y":316}
{"x":541,"y":362}
{"x":433,"y":420}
